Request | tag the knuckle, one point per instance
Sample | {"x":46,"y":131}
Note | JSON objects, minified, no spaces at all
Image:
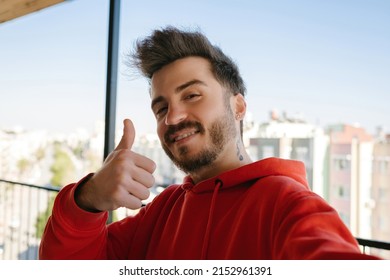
{"x":152,"y":181}
{"x":153,"y":166}
{"x":123,"y":155}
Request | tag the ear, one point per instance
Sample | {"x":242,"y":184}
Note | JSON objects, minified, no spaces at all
{"x":239,"y":106}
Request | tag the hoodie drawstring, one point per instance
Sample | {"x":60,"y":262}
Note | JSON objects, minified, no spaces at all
{"x":218,"y":185}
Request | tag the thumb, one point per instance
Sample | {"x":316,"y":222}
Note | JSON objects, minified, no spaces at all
{"x":128,"y":135}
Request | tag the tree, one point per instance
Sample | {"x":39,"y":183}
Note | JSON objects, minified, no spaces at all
{"x":43,"y":217}
{"x":23,"y":165}
{"x":62,"y":168}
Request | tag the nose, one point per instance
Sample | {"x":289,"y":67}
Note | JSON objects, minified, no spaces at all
{"x":175,"y":115}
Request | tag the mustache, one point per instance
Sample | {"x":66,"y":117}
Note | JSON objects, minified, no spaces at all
{"x":185,"y":124}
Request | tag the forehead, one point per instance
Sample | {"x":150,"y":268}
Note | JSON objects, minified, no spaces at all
{"x":169,"y":78}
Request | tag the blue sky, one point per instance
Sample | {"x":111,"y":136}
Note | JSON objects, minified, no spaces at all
{"x":328,"y":60}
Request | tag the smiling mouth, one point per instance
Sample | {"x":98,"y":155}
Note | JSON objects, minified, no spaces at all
{"x":181,"y":131}
{"x":183,"y":136}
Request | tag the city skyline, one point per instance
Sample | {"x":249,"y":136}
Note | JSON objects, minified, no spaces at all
{"x":325,"y":60}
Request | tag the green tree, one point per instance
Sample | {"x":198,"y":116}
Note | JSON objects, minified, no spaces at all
{"x":43,"y":217}
{"x":23,"y":165}
{"x":62,"y":168}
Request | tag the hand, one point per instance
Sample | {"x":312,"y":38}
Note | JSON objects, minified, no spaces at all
{"x":123,"y":181}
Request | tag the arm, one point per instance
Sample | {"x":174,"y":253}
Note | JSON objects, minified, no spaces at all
{"x":77,"y":228}
{"x":73,"y":233}
{"x":309,"y":228}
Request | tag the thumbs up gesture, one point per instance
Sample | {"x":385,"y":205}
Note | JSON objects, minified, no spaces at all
{"x":123,"y":180}
{"x":128,"y":136}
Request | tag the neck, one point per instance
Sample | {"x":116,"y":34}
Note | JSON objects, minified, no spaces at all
{"x":228,"y":160}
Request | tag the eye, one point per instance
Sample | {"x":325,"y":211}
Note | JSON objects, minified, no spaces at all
{"x":160,"y":112}
{"x":191,"y":96}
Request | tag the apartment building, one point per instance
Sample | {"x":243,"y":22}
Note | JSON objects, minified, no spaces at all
{"x":293,"y":138}
{"x":339,"y":167}
{"x":380,"y":192}
{"x":350,"y":176}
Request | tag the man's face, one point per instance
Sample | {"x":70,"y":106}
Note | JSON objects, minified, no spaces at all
{"x":194,"y":116}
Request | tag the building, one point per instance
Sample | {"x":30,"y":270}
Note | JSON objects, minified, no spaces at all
{"x":350,"y":176}
{"x":293,"y":138}
{"x":380,"y":222}
{"x":338,"y":164}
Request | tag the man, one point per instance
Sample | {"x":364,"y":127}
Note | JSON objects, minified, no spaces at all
{"x":228,"y":207}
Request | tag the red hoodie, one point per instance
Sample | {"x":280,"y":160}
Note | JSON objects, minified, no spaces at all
{"x":264,"y":210}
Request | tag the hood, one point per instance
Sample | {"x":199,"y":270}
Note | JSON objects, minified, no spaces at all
{"x":253,"y":171}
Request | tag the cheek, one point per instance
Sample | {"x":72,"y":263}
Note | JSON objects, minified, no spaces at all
{"x":161,"y":131}
{"x":207,"y":110}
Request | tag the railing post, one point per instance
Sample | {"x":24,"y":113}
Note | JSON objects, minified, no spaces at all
{"x":111,"y":83}
{"x":112,"y":73}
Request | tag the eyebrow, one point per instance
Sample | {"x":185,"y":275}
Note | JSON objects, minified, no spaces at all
{"x":178,"y":90}
{"x":188,"y":84}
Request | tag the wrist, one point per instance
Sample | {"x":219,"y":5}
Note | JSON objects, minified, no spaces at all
{"x":81,"y":196}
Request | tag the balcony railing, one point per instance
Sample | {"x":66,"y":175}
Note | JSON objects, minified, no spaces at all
{"x":24,"y":209}
{"x":369,"y":243}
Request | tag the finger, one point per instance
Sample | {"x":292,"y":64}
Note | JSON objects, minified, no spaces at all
{"x":143,"y":177}
{"x":131,"y":202}
{"x":144,"y":163}
{"x":128,"y":136}
{"x":138,"y":190}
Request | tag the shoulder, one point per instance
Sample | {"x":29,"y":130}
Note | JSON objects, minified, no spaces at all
{"x":287,"y":193}
{"x":279,"y":185}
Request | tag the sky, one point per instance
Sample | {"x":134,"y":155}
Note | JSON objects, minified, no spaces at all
{"x":326,"y":60}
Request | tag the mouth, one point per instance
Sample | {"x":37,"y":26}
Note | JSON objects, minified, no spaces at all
{"x":179,"y":137}
{"x":182,"y":131}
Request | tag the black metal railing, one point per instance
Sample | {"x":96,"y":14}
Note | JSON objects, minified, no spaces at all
{"x":369,"y":243}
{"x":24,"y":209}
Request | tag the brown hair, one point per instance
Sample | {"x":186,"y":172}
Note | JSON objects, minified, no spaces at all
{"x":167,"y":45}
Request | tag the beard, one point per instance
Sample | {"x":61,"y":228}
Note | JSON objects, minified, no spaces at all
{"x":221,"y":131}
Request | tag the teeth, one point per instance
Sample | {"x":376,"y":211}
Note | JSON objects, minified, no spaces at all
{"x":184,"y":136}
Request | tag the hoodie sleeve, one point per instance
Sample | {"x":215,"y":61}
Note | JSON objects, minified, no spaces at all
{"x":309,"y":228}
{"x":72,"y":233}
